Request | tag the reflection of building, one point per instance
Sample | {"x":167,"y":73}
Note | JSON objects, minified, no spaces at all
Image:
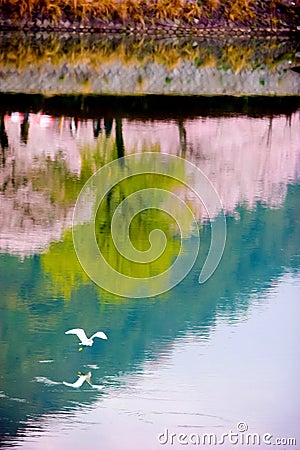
{"x":247,"y":159}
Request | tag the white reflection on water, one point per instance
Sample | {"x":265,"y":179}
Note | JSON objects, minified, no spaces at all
{"x":244,"y":372}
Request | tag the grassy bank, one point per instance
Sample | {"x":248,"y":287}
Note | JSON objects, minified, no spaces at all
{"x":271,"y":14}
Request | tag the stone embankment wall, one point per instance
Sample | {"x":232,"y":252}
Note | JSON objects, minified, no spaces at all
{"x":150,"y":78}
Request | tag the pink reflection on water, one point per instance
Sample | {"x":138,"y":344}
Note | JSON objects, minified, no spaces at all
{"x":247,"y":159}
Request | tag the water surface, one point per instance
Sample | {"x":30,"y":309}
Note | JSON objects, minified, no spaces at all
{"x":199,"y":358}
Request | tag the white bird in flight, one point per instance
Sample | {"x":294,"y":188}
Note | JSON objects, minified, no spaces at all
{"x":80,"y":333}
{"x":82,"y":378}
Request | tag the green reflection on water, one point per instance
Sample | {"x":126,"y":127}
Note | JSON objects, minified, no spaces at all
{"x":63,"y":186}
{"x":139,"y":230}
{"x":47,"y":294}
{"x":64,"y":189}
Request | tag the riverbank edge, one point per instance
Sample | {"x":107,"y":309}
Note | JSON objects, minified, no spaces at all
{"x":168,"y":29}
{"x":155,"y":106}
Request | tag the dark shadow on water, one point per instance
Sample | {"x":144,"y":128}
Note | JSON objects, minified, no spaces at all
{"x":148,"y":106}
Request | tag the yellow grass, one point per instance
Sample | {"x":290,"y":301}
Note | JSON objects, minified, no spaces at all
{"x":21,"y":52}
{"x":148,"y":11}
{"x":240,"y":9}
{"x":139,"y":11}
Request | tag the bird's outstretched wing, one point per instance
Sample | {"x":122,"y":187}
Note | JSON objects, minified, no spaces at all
{"x":79,"y":332}
{"x":78,"y":383}
{"x":100,"y":335}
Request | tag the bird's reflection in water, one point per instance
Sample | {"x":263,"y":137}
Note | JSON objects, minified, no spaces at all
{"x":82,"y":377}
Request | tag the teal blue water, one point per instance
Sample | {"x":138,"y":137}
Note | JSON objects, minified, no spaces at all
{"x":198,"y":359}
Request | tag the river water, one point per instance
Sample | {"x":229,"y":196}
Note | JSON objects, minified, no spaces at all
{"x":182,"y":368}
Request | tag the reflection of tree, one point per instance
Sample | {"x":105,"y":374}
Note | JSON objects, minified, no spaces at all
{"x":97,"y":127}
{"x":119,"y":138}
{"x":253,"y":259}
{"x":269,"y":138}
{"x":3,"y":140}
{"x":49,"y":185}
{"x":182,"y":137}
{"x":108,"y":122}
{"x":141,"y":226}
{"x":63,"y":265}
{"x":25,"y":128}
